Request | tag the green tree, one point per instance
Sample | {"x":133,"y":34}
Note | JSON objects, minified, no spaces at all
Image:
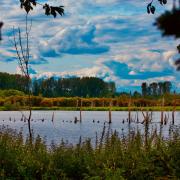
{"x":167,"y":87}
{"x":154,"y":88}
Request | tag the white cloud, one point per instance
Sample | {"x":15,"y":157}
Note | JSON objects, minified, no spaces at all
{"x":116,"y":30}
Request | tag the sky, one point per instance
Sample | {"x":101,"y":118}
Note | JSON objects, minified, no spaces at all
{"x":111,"y":39}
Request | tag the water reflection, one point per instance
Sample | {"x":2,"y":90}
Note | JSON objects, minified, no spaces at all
{"x":57,"y":125}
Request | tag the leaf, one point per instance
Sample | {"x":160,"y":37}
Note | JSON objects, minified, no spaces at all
{"x":27,"y":5}
{"x":148,"y":8}
{"x":164,"y":1}
{"x":33,"y":2}
{"x":178,"y":47}
{"x":153,"y":9}
{"x":53,"y":12}
{"x":59,"y":9}
{"x":47,"y":9}
{"x":161,"y":2}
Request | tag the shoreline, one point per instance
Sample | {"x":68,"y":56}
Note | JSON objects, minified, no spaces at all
{"x":55,"y":108}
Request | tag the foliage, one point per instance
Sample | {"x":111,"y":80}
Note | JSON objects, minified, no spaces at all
{"x":169,"y":23}
{"x":12,"y":81}
{"x":51,"y":87}
{"x":111,"y":158}
{"x":11,"y":92}
{"x":151,"y":8}
{"x":156,"y":88}
{"x":28,"y":5}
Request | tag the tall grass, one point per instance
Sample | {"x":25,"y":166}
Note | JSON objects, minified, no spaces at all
{"x":112,"y":158}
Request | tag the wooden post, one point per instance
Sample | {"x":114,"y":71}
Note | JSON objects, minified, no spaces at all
{"x":129,"y":111}
{"x":80,"y":110}
{"x":162,"y":111}
{"x":110,"y":115}
{"x":173,"y":113}
{"x":52,"y":117}
{"x":137,"y":117}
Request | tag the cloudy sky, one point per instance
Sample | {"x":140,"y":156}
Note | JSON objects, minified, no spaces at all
{"x":111,"y":39}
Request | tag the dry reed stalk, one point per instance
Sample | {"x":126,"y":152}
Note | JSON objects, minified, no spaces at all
{"x":92,"y":103}
{"x":77,"y":102}
{"x":103,"y":104}
{"x":147,"y":120}
{"x":102,"y":137}
{"x":96,"y":143}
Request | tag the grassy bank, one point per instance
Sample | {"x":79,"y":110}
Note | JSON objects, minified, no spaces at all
{"x":112,"y":158}
{"x":154,"y":108}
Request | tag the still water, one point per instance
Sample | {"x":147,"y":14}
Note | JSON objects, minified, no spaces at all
{"x":63,"y":126}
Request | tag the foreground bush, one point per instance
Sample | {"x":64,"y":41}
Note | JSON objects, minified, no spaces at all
{"x":112,"y":158}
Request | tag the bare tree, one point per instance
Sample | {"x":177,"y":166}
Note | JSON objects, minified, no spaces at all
{"x":23,"y":50}
{"x":23,"y":53}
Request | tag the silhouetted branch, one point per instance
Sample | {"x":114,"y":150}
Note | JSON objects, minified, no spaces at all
{"x":28,"y":5}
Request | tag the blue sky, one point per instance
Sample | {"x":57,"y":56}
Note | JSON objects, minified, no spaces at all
{"x":114,"y":40}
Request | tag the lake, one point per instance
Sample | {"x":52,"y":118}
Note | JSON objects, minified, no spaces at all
{"x":63,"y":126}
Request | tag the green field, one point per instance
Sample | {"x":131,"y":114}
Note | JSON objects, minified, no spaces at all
{"x":154,"y":108}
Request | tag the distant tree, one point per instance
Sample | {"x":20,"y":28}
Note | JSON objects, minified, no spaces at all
{"x":154,"y":88}
{"x":136,"y":94}
{"x":36,"y":89}
{"x":144,"y":89}
{"x":167,"y":87}
{"x":160,"y":88}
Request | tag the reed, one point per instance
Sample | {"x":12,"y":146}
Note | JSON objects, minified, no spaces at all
{"x":113,"y":157}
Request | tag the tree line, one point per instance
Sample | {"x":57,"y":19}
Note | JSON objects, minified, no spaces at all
{"x":71,"y":87}
{"x":78,"y":87}
{"x":156,"y":88}
{"x":59,"y":87}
